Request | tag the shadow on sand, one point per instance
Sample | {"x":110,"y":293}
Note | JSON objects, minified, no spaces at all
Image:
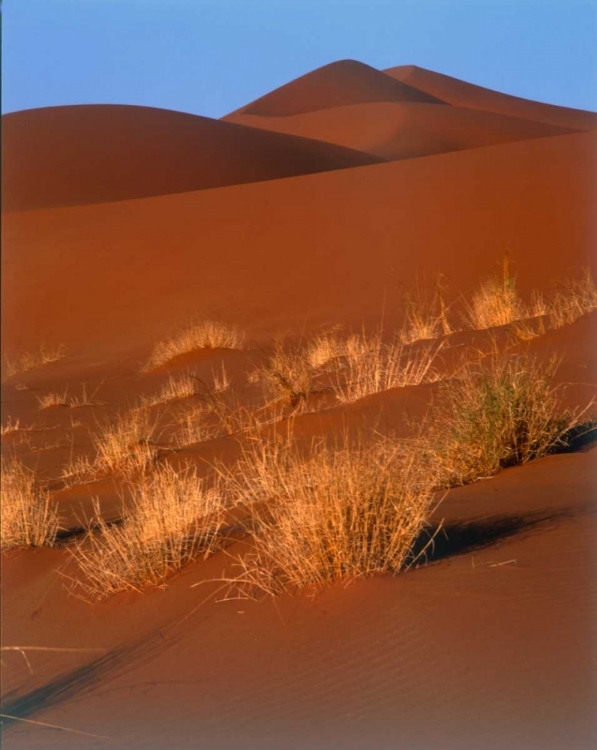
{"x":74,"y":683}
{"x":464,"y":537}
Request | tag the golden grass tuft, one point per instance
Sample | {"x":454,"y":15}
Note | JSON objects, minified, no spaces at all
{"x":174,"y":389}
{"x":126,"y":444}
{"x":325,"y":350}
{"x":31,"y":360}
{"x":373,"y":366}
{"x":500,"y":413}
{"x":172,"y":519}
{"x":221,"y":379}
{"x":288,"y":375}
{"x":341,"y":511}
{"x":426,"y":315}
{"x":208,"y":334}
{"x":495,"y":303}
{"x":29,"y":518}
{"x":193,"y":426}
{"x":575,"y":297}
{"x":10,"y":427}
{"x":52,"y":400}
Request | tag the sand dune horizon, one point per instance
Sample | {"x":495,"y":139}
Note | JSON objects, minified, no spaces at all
{"x":178,"y":289}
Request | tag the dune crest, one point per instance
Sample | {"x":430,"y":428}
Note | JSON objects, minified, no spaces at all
{"x":334,"y":85}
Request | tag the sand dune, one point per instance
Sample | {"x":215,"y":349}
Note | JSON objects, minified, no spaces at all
{"x":113,"y":238}
{"x":463,"y":94}
{"x":63,"y":156}
{"x":403,"y":131}
{"x":334,"y":85}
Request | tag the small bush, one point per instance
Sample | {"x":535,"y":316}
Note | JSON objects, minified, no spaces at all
{"x":29,"y":519}
{"x":498,"y":414}
{"x":172,"y":519}
{"x":206,"y":335}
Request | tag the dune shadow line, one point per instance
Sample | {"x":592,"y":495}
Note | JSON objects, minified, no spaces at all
{"x":465,"y":537}
{"x":74,"y":683}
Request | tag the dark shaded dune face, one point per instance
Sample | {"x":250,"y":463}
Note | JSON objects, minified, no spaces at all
{"x":335,"y":85}
{"x":401,"y":131}
{"x":76,"y":155}
{"x":462,"y":94}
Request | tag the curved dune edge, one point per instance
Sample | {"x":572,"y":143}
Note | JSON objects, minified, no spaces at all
{"x":77,"y":155}
{"x":462,"y":94}
{"x":393,"y":131}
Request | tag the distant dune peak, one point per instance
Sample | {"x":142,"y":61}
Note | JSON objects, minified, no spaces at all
{"x":334,"y":85}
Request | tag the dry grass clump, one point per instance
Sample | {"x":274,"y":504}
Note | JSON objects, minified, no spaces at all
{"x":572,"y":300}
{"x":11,"y":427}
{"x":221,"y":379}
{"x":498,"y":414}
{"x":426,"y":315}
{"x":29,"y":519}
{"x":496,"y":302}
{"x":325,"y":350}
{"x":338,"y":512}
{"x":31,"y":360}
{"x":78,"y":469}
{"x":126,"y":444}
{"x":193,"y":426}
{"x":528,"y":329}
{"x":288,"y":375}
{"x":172,"y":519}
{"x":218,"y":414}
{"x":174,"y":389}
{"x":51,"y":400}
{"x":373,"y":366}
{"x":208,"y":334}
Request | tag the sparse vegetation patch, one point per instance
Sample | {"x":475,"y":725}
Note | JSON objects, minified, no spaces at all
{"x":172,"y":518}
{"x":29,"y":518}
{"x":208,"y":334}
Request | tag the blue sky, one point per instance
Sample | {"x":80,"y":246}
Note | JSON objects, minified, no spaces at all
{"x":211,"y":56}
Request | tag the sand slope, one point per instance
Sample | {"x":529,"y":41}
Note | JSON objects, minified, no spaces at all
{"x":63,"y":156}
{"x":463,"y":94}
{"x":308,"y":250}
{"x":401,"y":131}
